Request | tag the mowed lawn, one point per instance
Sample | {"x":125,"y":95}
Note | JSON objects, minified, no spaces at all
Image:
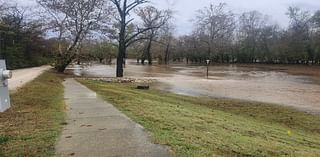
{"x":30,"y":128}
{"x":200,"y":127}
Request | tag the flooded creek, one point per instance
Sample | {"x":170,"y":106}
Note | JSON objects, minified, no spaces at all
{"x":226,"y":81}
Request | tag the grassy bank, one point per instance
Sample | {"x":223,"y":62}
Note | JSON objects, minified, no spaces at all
{"x":199,"y":127}
{"x":31,"y":126}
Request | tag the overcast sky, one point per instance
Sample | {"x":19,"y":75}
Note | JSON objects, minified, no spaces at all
{"x":186,"y":9}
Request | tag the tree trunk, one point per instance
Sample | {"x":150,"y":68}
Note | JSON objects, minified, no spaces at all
{"x":166,"y":58}
{"x":142,"y":61}
{"x":62,"y":62}
{"x":61,"y":67}
{"x":122,"y":46}
{"x":149,"y":57}
{"x":120,"y":60}
{"x":109,"y":62}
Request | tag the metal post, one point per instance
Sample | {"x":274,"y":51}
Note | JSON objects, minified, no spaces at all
{"x":208,"y":62}
{"x":207,"y":71}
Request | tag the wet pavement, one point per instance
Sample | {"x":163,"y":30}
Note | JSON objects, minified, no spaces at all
{"x":228,"y":81}
{"x":96,"y":128}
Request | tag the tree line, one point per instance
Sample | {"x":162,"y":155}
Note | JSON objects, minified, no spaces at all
{"x":22,"y":42}
{"x":66,"y":31}
{"x":224,"y":37}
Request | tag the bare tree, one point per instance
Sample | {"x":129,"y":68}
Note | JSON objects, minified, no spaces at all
{"x":316,"y":36}
{"x":127,"y":37}
{"x":316,"y":19}
{"x":72,"y":21}
{"x":215,"y":27}
{"x":3,"y":7}
{"x":268,"y":43}
{"x":167,"y":38}
{"x":298,"y":34}
{"x":154,"y":19}
{"x":124,"y":8}
{"x":250,"y":27}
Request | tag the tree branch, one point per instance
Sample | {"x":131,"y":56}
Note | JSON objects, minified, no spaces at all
{"x":135,"y":40}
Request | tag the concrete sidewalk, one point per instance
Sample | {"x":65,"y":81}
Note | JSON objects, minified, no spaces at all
{"x":97,"y":129}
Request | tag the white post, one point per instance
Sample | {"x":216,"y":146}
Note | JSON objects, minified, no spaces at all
{"x":4,"y":91}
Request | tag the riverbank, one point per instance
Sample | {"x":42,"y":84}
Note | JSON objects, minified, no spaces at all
{"x":32,"y":125}
{"x":198,"y":127}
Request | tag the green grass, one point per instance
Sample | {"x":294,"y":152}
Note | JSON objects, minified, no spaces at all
{"x":32,"y":125}
{"x":200,"y":127}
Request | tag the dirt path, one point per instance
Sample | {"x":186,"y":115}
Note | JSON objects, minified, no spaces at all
{"x":97,"y":129}
{"x":22,"y":76}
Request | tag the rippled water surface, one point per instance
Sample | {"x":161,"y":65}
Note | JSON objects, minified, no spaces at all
{"x":229,"y":81}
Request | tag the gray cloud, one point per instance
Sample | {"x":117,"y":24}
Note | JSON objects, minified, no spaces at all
{"x":276,"y":9}
{"x":186,"y":9}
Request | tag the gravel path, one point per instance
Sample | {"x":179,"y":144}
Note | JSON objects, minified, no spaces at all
{"x":22,"y":76}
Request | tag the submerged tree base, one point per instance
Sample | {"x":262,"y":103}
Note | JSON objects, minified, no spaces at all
{"x":62,"y":62}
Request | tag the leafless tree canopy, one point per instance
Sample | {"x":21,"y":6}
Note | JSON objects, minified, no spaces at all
{"x":215,"y":26}
{"x":250,"y":37}
{"x":73,"y":20}
{"x":154,"y":19}
{"x":128,"y":33}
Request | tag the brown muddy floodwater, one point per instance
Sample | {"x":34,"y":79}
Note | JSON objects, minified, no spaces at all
{"x":254,"y":83}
